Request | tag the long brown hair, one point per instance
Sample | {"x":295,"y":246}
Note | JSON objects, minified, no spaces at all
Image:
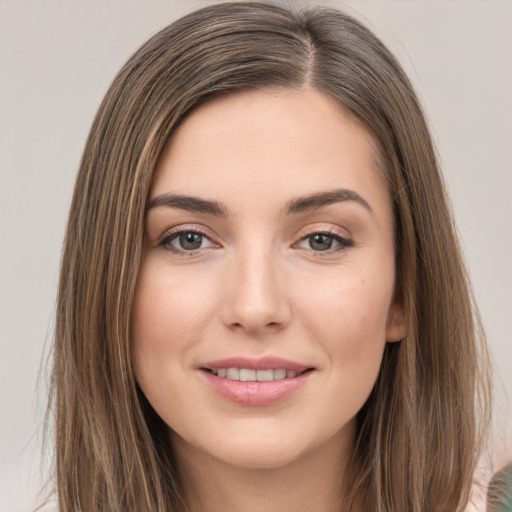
{"x":420,"y":431}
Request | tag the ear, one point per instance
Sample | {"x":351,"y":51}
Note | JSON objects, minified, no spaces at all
{"x":396,"y":325}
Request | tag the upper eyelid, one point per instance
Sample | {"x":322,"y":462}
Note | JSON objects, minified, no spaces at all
{"x":193,"y":228}
{"x":331,"y":234}
{"x":324,"y":230}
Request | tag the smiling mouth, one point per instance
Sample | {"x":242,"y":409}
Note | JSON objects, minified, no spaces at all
{"x":251,"y":375}
{"x":255,"y":382}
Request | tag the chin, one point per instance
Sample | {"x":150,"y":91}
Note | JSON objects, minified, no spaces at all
{"x":257,"y":456}
{"x":262,"y":448}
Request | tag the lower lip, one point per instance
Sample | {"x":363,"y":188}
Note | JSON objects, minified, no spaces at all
{"x":255,"y":393}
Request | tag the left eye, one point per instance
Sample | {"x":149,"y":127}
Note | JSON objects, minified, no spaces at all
{"x":321,"y":242}
{"x":186,"y":241}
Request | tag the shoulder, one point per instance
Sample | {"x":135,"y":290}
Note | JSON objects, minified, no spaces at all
{"x":478,"y":496}
{"x":491,"y":492}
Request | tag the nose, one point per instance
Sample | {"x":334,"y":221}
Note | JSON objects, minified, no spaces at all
{"x":256,"y":299}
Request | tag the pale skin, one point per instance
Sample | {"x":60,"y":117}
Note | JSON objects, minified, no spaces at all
{"x":269,"y":275}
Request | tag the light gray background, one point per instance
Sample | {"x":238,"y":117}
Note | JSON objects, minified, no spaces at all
{"x":56,"y":62}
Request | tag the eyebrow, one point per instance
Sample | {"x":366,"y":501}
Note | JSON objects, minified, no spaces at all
{"x":192,"y":204}
{"x":321,"y":199}
{"x":298,"y":205}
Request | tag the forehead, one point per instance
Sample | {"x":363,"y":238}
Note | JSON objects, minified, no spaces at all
{"x":285,"y":142}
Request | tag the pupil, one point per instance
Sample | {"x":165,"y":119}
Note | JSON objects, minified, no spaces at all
{"x":190,"y":241}
{"x":320,"y":242}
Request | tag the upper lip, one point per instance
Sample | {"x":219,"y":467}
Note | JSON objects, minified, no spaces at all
{"x":262,"y":363}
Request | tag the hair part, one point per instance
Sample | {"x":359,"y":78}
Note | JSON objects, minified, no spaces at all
{"x":421,"y":429}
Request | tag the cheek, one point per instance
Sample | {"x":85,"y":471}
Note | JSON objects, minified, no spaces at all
{"x":359,"y":304}
{"x":350,"y":319}
{"x":168,"y":316}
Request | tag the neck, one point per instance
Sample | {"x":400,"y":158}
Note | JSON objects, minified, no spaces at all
{"x":314,"y":481}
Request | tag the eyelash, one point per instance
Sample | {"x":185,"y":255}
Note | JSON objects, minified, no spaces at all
{"x":344,"y":243}
{"x":165,"y":241}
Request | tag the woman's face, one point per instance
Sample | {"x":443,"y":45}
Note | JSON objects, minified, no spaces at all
{"x":268,"y":255}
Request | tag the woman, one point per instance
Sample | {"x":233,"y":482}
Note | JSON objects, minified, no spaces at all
{"x":262,"y":301}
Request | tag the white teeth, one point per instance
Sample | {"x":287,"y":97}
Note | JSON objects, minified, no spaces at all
{"x":247,"y":375}
{"x":250,"y":375}
{"x":233,"y":373}
{"x":279,"y":374}
{"x":264,"y":375}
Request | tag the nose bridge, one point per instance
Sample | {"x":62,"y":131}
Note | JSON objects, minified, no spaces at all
{"x":256,"y":300}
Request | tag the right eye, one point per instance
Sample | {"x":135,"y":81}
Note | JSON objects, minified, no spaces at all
{"x":186,"y":241}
